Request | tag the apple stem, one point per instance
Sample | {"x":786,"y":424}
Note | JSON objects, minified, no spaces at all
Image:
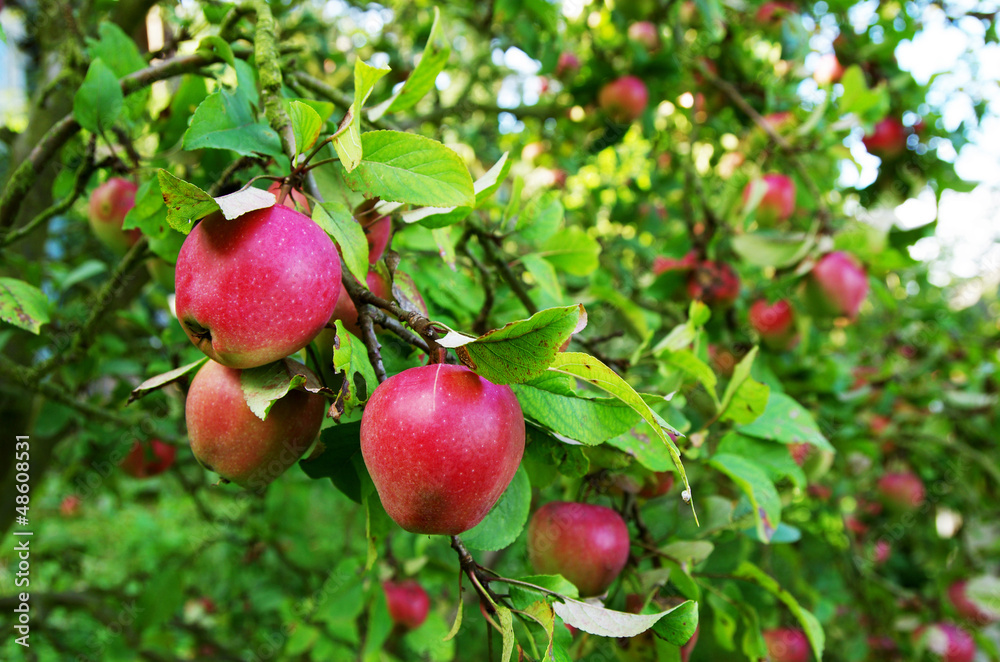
{"x":473,"y":571}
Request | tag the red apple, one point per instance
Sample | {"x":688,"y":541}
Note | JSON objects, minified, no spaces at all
{"x":408,"y":603}
{"x":778,"y":201}
{"x":567,"y":65}
{"x":800,"y":452}
{"x":377,"y":233}
{"x":779,"y":121}
{"x":828,"y":69}
{"x":687,"y":648}
{"x":70,"y":506}
{"x":774,"y":323}
{"x":645,"y":33}
{"x":585,"y":543}
{"x":715,"y":283}
{"x":881,"y":551}
{"x":902,"y":490}
{"x":659,"y":484}
{"x":141,"y":463}
{"x":773,"y":13}
{"x":441,"y":444}
{"x":948,"y":642}
{"x":837,"y":285}
{"x":624,"y":99}
{"x":257,"y":288}
{"x":229,"y":439}
{"x":294,"y":200}
{"x":662,"y":264}
{"x":966,"y":607}
{"x":722,"y":359}
{"x":109,"y":203}
{"x":888,"y":140}
{"x":787,"y":645}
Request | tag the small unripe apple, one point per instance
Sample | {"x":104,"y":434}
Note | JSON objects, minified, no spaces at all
{"x":162,"y":272}
{"x":887,"y":140}
{"x":140,"y":463}
{"x":257,"y":288}
{"x":715,"y":283}
{"x":659,"y":484}
{"x":585,"y":543}
{"x":787,"y":645}
{"x":295,"y":199}
{"x":109,"y":203}
{"x":966,"y":607}
{"x":408,"y":603}
{"x":837,"y":285}
{"x":441,"y":444}
{"x":902,"y":490}
{"x":229,"y":439}
{"x":828,"y":69}
{"x":778,"y":202}
{"x":948,"y":642}
{"x":567,"y":65}
{"x":775,"y":323}
{"x":645,"y":33}
{"x":624,"y":99}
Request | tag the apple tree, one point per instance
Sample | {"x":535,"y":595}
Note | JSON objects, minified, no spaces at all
{"x":570,"y":331}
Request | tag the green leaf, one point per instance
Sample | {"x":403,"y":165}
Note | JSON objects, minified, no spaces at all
{"x":787,"y":421}
{"x":244,"y":200}
{"x":99,"y":101}
{"x":216,"y":44}
{"x":440,"y":217}
{"x":507,"y":628}
{"x":868,"y":104}
{"x":225,"y":120}
{"x":984,"y":592}
{"x":772,"y":249}
{"x":572,"y":250}
{"x":773,"y":458}
{"x":421,"y":81}
{"x":350,"y":356}
{"x":348,"y":144}
{"x":186,"y":203}
{"x":753,"y":480}
{"x":430,"y":641}
{"x":522,"y":596}
{"x":265,"y":385}
{"x":647,"y":451}
{"x":554,"y":455}
{"x":23,"y":305}
{"x":159,"y":381}
{"x":336,"y":219}
{"x":678,"y":626}
{"x":711,"y":15}
{"x":544,"y":274}
{"x":609,"y":623}
{"x":541,"y":217}
{"x":405,"y":167}
{"x":809,"y":623}
{"x":745,"y":397}
{"x":117,"y":50}
{"x":687,"y":362}
{"x":594,"y":372}
{"x":504,"y":522}
{"x":589,"y":421}
{"x":306,"y":125}
{"x":342,"y":443}
{"x":519,"y":351}
{"x":689,"y":552}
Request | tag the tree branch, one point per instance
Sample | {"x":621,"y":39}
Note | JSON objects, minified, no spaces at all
{"x":265,"y":48}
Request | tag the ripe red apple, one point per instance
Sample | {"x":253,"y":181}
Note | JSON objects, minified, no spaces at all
{"x":948,"y":642}
{"x":294,"y":200}
{"x":441,"y":444}
{"x":800,"y":452}
{"x":887,"y":140}
{"x":70,"y":506}
{"x":624,"y":99}
{"x":408,"y":603}
{"x":257,"y":288}
{"x":687,"y":648}
{"x":377,"y":233}
{"x":109,"y":203}
{"x":778,"y":202}
{"x":787,"y":645}
{"x":715,"y":283}
{"x":881,"y":551}
{"x":901,"y":490}
{"x":837,"y":285}
{"x":966,"y":607}
{"x":828,"y":69}
{"x":140,"y":463}
{"x":645,"y":33}
{"x":567,"y":65}
{"x":658,"y":484}
{"x":232,"y":441}
{"x":585,"y":543}
{"x":775,"y":323}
